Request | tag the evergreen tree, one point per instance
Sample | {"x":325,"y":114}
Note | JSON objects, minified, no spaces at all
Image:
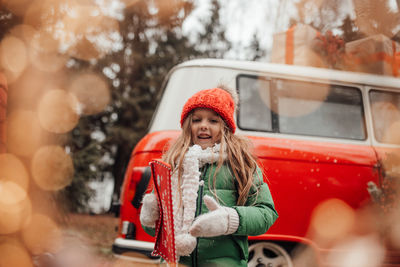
{"x":212,"y":41}
{"x":256,"y":53}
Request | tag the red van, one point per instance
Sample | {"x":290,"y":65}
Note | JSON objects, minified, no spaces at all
{"x":318,"y":134}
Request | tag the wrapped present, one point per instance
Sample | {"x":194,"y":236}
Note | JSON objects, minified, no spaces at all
{"x":295,"y":46}
{"x":376,"y":54}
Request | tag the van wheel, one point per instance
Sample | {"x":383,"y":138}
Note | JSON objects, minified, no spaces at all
{"x":267,"y":254}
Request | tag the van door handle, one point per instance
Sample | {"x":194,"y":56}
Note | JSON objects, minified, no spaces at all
{"x":141,"y":187}
{"x":374,"y":191}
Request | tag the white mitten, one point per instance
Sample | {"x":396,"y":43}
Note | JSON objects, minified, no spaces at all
{"x":185,"y":244}
{"x":218,"y":221}
{"x":150,"y":211}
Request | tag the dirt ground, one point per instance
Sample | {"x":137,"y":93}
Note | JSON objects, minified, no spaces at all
{"x":94,"y":234}
{"x":97,"y":231}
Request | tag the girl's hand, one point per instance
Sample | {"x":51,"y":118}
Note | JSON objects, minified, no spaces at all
{"x":150,"y":211}
{"x":218,"y":221}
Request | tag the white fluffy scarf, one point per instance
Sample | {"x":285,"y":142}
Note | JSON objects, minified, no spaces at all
{"x":184,"y":208}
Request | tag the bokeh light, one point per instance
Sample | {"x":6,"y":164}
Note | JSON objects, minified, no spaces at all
{"x":24,"y":32}
{"x":52,"y":168}
{"x":58,"y":111}
{"x":45,"y":42}
{"x":15,"y":207}
{"x":386,"y":117}
{"x":362,"y":251}
{"x":393,"y":229}
{"x":23,"y":132}
{"x":42,"y":235}
{"x":30,"y":86}
{"x":332,"y":219}
{"x":392,"y":133}
{"x":44,"y":52}
{"x":293,"y":98}
{"x":76,"y":252}
{"x":13,"y":54}
{"x":46,"y":61}
{"x":13,"y":254}
{"x":395,"y":235}
{"x":13,"y":170}
{"x":13,"y":57}
{"x":11,"y":193}
{"x":92,"y":93}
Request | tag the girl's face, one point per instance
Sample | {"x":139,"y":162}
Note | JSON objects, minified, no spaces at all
{"x":206,"y":127}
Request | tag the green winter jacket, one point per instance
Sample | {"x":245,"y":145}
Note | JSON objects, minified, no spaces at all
{"x":255,"y":218}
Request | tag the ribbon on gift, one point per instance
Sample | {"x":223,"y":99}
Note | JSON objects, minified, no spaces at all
{"x":398,"y":58}
{"x":289,"y":47}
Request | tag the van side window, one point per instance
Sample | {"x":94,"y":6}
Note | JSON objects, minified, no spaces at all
{"x":254,"y":112}
{"x":385,"y":108}
{"x":299,"y":107}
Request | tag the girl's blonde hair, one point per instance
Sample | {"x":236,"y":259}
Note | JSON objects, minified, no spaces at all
{"x":239,"y":158}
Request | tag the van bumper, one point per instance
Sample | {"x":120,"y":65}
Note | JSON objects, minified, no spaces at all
{"x":134,"y":249}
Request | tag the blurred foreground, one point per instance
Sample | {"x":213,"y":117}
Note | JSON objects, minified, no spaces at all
{"x":86,"y":241}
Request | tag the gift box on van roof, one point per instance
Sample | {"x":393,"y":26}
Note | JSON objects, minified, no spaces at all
{"x":376,"y":54}
{"x":295,"y":47}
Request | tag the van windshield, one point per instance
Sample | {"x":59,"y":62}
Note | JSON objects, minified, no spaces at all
{"x":299,"y":107}
{"x":385,"y":108}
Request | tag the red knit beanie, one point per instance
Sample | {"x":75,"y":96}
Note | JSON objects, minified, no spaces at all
{"x":216,"y":99}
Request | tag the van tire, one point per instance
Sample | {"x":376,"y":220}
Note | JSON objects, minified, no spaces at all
{"x":268,"y":254}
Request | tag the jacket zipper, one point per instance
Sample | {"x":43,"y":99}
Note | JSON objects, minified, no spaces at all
{"x":203,"y":170}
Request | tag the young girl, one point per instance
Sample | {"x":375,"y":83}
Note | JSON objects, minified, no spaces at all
{"x":219,"y":196}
